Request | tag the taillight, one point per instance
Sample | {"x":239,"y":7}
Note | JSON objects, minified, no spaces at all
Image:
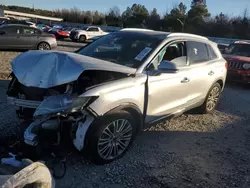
{"x":226,"y":65}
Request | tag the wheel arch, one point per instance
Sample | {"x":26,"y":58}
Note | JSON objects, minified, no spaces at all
{"x":40,"y":42}
{"x":83,"y":34}
{"x":133,"y":109}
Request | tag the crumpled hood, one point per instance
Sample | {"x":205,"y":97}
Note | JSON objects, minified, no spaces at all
{"x":45,"y":69}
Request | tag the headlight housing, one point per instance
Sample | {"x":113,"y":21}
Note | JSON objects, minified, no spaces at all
{"x":246,"y":66}
{"x":61,"y":104}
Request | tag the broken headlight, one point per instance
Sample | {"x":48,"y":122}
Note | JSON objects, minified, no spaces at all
{"x":61,"y":104}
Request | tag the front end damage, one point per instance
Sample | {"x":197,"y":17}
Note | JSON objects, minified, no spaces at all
{"x":52,"y":113}
{"x":57,"y":110}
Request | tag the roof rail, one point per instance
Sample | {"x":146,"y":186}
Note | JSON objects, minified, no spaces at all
{"x":186,"y":35}
{"x":135,"y":29}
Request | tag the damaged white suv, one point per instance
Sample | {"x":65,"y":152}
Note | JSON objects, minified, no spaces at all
{"x":106,"y":92}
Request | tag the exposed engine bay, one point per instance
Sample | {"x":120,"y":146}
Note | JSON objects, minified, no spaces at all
{"x":58,"y":112}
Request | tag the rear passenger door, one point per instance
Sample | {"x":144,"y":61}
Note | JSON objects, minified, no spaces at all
{"x":29,"y":37}
{"x":201,"y":71}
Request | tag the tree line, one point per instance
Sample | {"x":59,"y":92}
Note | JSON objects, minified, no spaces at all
{"x":196,"y":20}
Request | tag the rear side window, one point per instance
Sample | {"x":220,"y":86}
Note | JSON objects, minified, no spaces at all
{"x":29,"y":31}
{"x":212,"y":53}
{"x":197,"y":52}
{"x":93,"y":29}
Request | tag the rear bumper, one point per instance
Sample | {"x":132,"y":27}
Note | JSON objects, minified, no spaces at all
{"x":241,"y":76}
{"x":53,"y":45}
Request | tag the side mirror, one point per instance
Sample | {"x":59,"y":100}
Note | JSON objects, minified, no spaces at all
{"x":167,"y":66}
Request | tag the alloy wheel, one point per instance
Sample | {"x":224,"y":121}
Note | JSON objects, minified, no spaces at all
{"x":44,"y":46}
{"x":115,"y":139}
{"x":213,"y":98}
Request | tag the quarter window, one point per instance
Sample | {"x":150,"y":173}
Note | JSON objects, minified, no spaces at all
{"x":197,"y":52}
{"x":29,"y":31}
{"x":93,"y":29}
{"x":212,"y":53}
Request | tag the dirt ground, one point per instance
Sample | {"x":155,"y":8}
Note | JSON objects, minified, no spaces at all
{"x":188,"y":151}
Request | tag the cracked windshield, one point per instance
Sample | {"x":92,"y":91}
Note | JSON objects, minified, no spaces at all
{"x":125,"y":93}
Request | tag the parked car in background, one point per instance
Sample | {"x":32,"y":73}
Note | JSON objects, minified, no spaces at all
{"x":2,"y":19}
{"x":16,"y":36}
{"x":222,"y":47}
{"x":14,"y":21}
{"x":103,"y":98}
{"x":86,"y":33}
{"x":59,"y":33}
{"x":69,"y":29}
{"x":31,"y":24}
{"x":237,"y":55}
{"x":41,"y":26}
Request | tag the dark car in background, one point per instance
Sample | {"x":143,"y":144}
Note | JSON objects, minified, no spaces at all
{"x":16,"y":36}
{"x":237,"y":55}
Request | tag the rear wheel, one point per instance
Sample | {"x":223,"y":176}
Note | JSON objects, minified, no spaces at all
{"x":82,"y":38}
{"x":111,"y":137}
{"x":43,"y":46}
{"x":212,"y":100}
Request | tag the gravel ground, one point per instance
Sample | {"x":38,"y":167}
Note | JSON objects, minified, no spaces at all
{"x":188,"y":151}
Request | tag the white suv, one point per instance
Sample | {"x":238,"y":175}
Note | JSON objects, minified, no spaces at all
{"x":110,"y":89}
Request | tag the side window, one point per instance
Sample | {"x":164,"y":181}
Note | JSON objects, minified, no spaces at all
{"x":28,"y":31}
{"x":212,"y":53}
{"x":12,"y":30}
{"x":197,"y":52}
{"x":93,"y":29}
{"x":175,"y":53}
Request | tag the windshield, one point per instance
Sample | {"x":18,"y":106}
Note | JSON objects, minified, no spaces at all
{"x":239,"y":50}
{"x":122,"y":48}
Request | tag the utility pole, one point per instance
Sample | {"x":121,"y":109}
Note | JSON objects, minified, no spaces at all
{"x":182,"y":24}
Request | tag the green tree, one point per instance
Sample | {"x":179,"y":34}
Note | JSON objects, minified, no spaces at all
{"x":153,"y":21}
{"x":113,"y":17}
{"x":175,"y":20}
{"x":135,"y":16}
{"x":196,"y":17}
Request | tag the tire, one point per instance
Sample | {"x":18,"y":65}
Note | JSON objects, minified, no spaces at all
{"x":43,"y":46}
{"x":82,"y":38}
{"x":209,"y":106}
{"x":103,"y":152}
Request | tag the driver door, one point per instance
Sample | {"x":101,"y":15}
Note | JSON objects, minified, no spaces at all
{"x":167,"y":91}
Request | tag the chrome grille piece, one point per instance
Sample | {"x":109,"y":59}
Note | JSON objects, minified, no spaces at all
{"x":235,"y":65}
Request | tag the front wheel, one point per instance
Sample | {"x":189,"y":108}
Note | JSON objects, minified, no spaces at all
{"x":111,"y":137}
{"x":82,"y":38}
{"x":212,"y":100}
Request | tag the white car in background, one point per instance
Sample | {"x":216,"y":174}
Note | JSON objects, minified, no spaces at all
{"x":87,"y":33}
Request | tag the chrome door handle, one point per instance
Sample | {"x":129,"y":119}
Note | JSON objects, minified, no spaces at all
{"x":185,"y":80}
{"x":211,"y":73}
